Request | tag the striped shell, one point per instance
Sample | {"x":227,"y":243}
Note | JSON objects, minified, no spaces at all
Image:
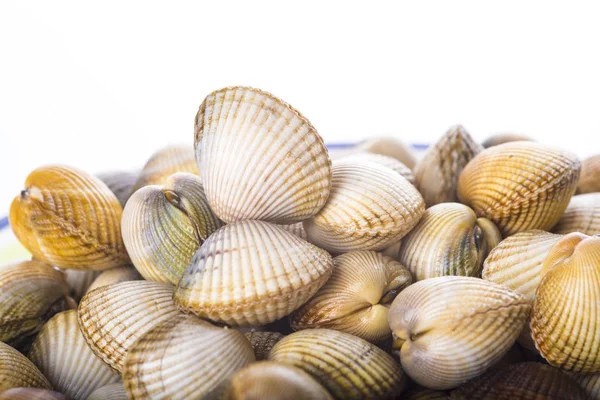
{"x":448,"y":240}
{"x":67,"y":218}
{"x":391,"y":147}
{"x":357,"y":297}
{"x":252,"y":273}
{"x":79,"y":281}
{"x":114,"y":391}
{"x":17,"y":371}
{"x":297,"y":229}
{"x":113,"y":317}
{"x":589,"y":180}
{"x":120,"y":183}
{"x":115,"y":275}
{"x":30,"y":394}
{"x":163,"y":226}
{"x":164,"y":163}
{"x":263,"y":342}
{"x":420,"y":393}
{"x":347,"y":366}
{"x":582,"y":215}
{"x":451,"y":329}
{"x":260,"y":158}
{"x":386,"y":161}
{"x":370,"y":208}
{"x":62,"y":355}
{"x":589,"y":383}
{"x":519,"y":185}
{"x":183,"y":358}
{"x":501,"y":138}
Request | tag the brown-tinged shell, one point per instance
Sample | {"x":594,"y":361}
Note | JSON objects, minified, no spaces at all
{"x":115,"y":391}
{"x":79,"y":281}
{"x":391,"y":147}
{"x":120,"y":183}
{"x":589,"y":180}
{"x":501,"y":138}
{"x":164,"y":163}
{"x":17,"y":371}
{"x":421,"y":393}
{"x":262,"y":342}
{"x":590,"y":384}
{"x":30,"y":394}
{"x":386,"y":161}
{"x":582,"y":215}
{"x":115,"y":275}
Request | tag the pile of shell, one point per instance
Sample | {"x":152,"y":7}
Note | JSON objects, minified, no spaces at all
{"x":256,"y":267}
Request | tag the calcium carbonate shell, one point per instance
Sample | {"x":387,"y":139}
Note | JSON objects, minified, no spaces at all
{"x":589,"y":181}
{"x":114,"y":391}
{"x":164,"y":163}
{"x":501,"y":138}
{"x":16,"y":371}
{"x":390,"y":147}
{"x":120,"y":183}
{"x":590,"y":384}
{"x":582,"y":215}
{"x":115,"y":275}
{"x":262,"y":342}
{"x":30,"y":394}
{"x":386,"y":161}
{"x":79,"y":281}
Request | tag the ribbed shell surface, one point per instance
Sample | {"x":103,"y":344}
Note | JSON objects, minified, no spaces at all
{"x":120,"y":183}
{"x":115,"y":275}
{"x":391,"y":147}
{"x":69,"y":219}
{"x":263,"y":342}
{"x":79,"y":281}
{"x":252,"y":273}
{"x":386,"y":161}
{"x":164,"y":163}
{"x":589,"y":181}
{"x":113,"y":317}
{"x":30,"y":394}
{"x":582,"y":215}
{"x":590,"y":384}
{"x":17,"y":371}
{"x":297,"y":229}
{"x":115,"y":391}
{"x":260,"y":158}
{"x":63,"y":356}
{"x":519,"y":185}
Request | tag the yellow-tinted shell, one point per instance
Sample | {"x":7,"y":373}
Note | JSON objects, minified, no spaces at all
{"x":30,"y":394}
{"x":391,"y":147}
{"x":519,"y":185}
{"x":69,"y":219}
{"x":263,"y":342}
{"x":582,"y":215}
{"x":589,"y":180}
{"x":357,"y":296}
{"x":120,"y":183}
{"x":501,"y":138}
{"x":115,"y":391}
{"x":115,"y":275}
{"x":451,"y":329}
{"x":164,"y":163}
{"x":386,"y":161}
{"x":17,"y":371}
{"x":590,"y":384}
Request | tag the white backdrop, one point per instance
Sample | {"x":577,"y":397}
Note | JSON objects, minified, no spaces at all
{"x":101,"y":85}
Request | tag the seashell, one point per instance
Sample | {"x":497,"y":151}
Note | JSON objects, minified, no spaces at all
{"x":62,"y":355}
{"x":163,"y":226}
{"x":114,"y":391}
{"x":120,"y":183}
{"x":67,"y":218}
{"x":297,"y":229}
{"x":252,"y":273}
{"x":386,"y":161}
{"x":260,"y":158}
{"x":79,"y":281}
{"x":436,"y":174}
{"x":501,"y":138}
{"x":263,"y":342}
{"x":16,"y":371}
{"x":448,"y":240}
{"x":391,"y":147}
{"x":115,"y":275}
{"x":517,"y":261}
{"x":370,"y":208}
{"x":347,"y":366}
{"x":164,"y":163}
{"x":421,"y":393}
{"x":526,"y":381}
{"x":451,"y":329}
{"x":392,"y":250}
{"x":519,"y":185}
{"x":582,"y":215}
{"x":589,"y":180}
{"x":113,"y":317}
{"x":30,"y":394}
{"x":565,"y":319}
{"x":184,"y":358}
{"x":589,"y":383}
{"x":30,"y":292}
{"x":357,"y":297}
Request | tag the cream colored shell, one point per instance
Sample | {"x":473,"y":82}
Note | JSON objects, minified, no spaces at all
{"x":390,"y":147}
{"x":164,"y":163}
{"x":115,"y":275}
{"x":30,"y":394}
{"x":386,"y":161}
{"x":115,"y":391}
{"x":582,"y":215}
{"x":589,"y":181}
{"x":79,"y":281}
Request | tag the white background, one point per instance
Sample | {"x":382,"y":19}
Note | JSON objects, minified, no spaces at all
{"x":101,"y":85}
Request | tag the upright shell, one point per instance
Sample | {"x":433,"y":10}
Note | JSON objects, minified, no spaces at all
{"x":391,"y":147}
{"x":260,"y":158}
{"x":17,"y":371}
{"x":164,"y":163}
{"x":589,"y":181}
{"x":120,"y":183}
{"x":501,"y":138}
{"x":386,"y":161}
{"x":262,"y":342}
{"x":252,"y":273}
{"x":30,"y":394}
{"x":448,"y":240}
{"x":115,"y":275}
{"x":69,"y":219}
{"x":520,"y":185}
{"x":582,"y":215}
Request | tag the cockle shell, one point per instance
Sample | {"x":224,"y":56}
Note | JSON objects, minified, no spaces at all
{"x":113,"y":317}
{"x":79,"y":281}
{"x":164,"y":163}
{"x":30,"y":394}
{"x":501,"y":138}
{"x":589,"y":180}
{"x":163,"y":226}
{"x":115,"y":275}
{"x":62,"y":355}
{"x":590,"y":384}
{"x":183,"y":358}
{"x":297,"y":229}
{"x":565,"y":319}
{"x":391,"y":147}
{"x":448,"y":240}
{"x":386,"y":161}
{"x":437,"y":173}
{"x":252,"y":273}
{"x":519,"y":185}
{"x":370,"y":208}
{"x":451,"y":329}
{"x":17,"y":371}
{"x":347,"y":366}
{"x":357,"y":297}
{"x":120,"y":183}
{"x":582,"y":215}
{"x":114,"y":391}
{"x":262,"y":342}
{"x":260,"y":158}
{"x":70,"y":219}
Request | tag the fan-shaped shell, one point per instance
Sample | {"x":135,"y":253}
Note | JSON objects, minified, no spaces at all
{"x":582,"y":215}
{"x":115,"y":391}
{"x":120,"y":183}
{"x":79,"y":281}
{"x":17,"y":371}
{"x":30,"y":394}
{"x":260,"y":158}
{"x":590,"y":384}
{"x":164,"y":163}
{"x":391,"y":147}
{"x":262,"y":342}
{"x":501,"y":138}
{"x":386,"y":161}
{"x":589,"y":180}
{"x":115,"y":275}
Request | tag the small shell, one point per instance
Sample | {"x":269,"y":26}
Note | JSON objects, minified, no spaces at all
{"x":582,"y":215}
{"x":163,"y":226}
{"x":565,"y":320}
{"x":112,"y":317}
{"x":517,"y":261}
{"x":297,"y":229}
{"x":79,"y":281}
{"x":63,"y":356}
{"x":370,"y":208}
{"x":501,"y":138}
{"x":589,"y":180}
{"x":589,"y":383}
{"x":115,"y":391}
{"x":17,"y":371}
{"x":260,"y":158}
{"x":425,"y":394}
{"x":437,"y":172}
{"x":451,"y":329}
{"x":115,"y":275}
{"x":252,"y":273}
{"x":391,"y":147}
{"x":386,"y":161}
{"x":164,"y":163}
{"x":357,"y":297}
{"x":30,"y":394}
{"x":448,"y":240}
{"x":70,"y":219}
{"x":183,"y":358}
{"x":120,"y":183}
{"x":348,"y":367}
{"x":519,"y":185}
{"x":263,"y":342}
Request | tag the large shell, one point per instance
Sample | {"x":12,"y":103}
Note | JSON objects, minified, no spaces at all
{"x":357,"y":297}
{"x":112,"y":317}
{"x":519,"y":185}
{"x":30,"y":394}
{"x":582,"y":215}
{"x":79,"y":281}
{"x":448,"y":240}
{"x":17,"y":371}
{"x":260,"y":158}
{"x":115,"y":275}
{"x":370,"y":208}
{"x":164,"y":163}
{"x":565,"y":320}
{"x":386,"y":161}
{"x":501,"y":138}
{"x":262,"y":342}
{"x":163,"y":226}
{"x":252,"y":273}
{"x":69,"y":219}
{"x":114,"y":391}
{"x":590,"y":384}
{"x":451,"y":329}
{"x":437,"y":173}
{"x":120,"y":183}
{"x":589,"y":180}
{"x":183,"y":358}
{"x":62,"y":355}
{"x":391,"y":147}
{"x":517,"y":261}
